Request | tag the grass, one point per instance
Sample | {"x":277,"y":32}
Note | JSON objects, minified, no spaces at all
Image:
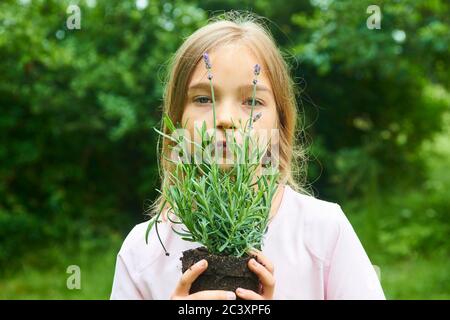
{"x":47,"y":280}
{"x":406,"y":271}
{"x":418,"y":278}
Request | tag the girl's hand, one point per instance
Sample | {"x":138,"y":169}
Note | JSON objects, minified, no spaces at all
{"x":264,"y":270}
{"x":188,"y":277}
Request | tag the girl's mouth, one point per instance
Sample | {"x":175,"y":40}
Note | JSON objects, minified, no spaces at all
{"x":221,"y":144}
{"x":221,"y":149}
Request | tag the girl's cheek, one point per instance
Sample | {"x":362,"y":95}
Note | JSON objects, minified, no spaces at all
{"x":267,"y":121}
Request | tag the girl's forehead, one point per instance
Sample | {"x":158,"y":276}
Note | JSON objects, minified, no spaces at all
{"x":231,"y":62}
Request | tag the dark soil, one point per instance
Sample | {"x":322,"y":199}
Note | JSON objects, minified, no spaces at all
{"x":223,"y":272}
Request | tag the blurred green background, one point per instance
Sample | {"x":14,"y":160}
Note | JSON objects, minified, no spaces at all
{"x":78,"y":152}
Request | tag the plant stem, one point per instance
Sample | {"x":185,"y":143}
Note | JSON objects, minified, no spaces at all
{"x":213,"y":103}
{"x":253,"y":104}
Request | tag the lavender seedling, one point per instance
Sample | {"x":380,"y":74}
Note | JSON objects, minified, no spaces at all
{"x":225,"y":210}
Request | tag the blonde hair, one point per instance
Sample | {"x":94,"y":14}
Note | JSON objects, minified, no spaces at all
{"x":245,"y":28}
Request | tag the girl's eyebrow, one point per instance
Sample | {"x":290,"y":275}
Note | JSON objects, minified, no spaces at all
{"x":207,"y":86}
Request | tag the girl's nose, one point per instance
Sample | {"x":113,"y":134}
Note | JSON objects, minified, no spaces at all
{"x":226,"y":114}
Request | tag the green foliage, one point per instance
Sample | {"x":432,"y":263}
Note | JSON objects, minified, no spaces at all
{"x":77,"y":149}
{"x":378,"y":90}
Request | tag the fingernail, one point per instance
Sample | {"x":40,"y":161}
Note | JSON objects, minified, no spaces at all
{"x":253,"y":262}
{"x":231,"y":295}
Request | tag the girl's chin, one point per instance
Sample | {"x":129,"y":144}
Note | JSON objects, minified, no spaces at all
{"x":226,"y":166}
{"x":224,"y":162}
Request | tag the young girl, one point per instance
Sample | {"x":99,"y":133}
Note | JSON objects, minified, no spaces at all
{"x":310,"y":250}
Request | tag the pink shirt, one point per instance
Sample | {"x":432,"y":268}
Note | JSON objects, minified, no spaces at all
{"x":315,"y":251}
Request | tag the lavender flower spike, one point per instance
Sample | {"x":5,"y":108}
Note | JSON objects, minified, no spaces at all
{"x":208,"y":68}
{"x":207,"y":61}
{"x":257,"y":69}
{"x":256,"y":72}
{"x":254,"y":119}
{"x":257,"y":116}
{"x":207,"y":64}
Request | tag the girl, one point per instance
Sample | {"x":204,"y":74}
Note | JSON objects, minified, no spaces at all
{"x":310,"y":250}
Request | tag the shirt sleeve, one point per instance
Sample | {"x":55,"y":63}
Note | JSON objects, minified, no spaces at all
{"x":351,"y":275}
{"x":124,"y":288}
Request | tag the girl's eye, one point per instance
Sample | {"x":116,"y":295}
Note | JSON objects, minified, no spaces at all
{"x":258,"y":102}
{"x":202,"y":100}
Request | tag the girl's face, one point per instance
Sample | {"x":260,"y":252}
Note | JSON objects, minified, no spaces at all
{"x":232,"y":71}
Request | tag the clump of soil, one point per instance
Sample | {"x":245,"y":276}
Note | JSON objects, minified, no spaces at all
{"x":223,"y":272}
